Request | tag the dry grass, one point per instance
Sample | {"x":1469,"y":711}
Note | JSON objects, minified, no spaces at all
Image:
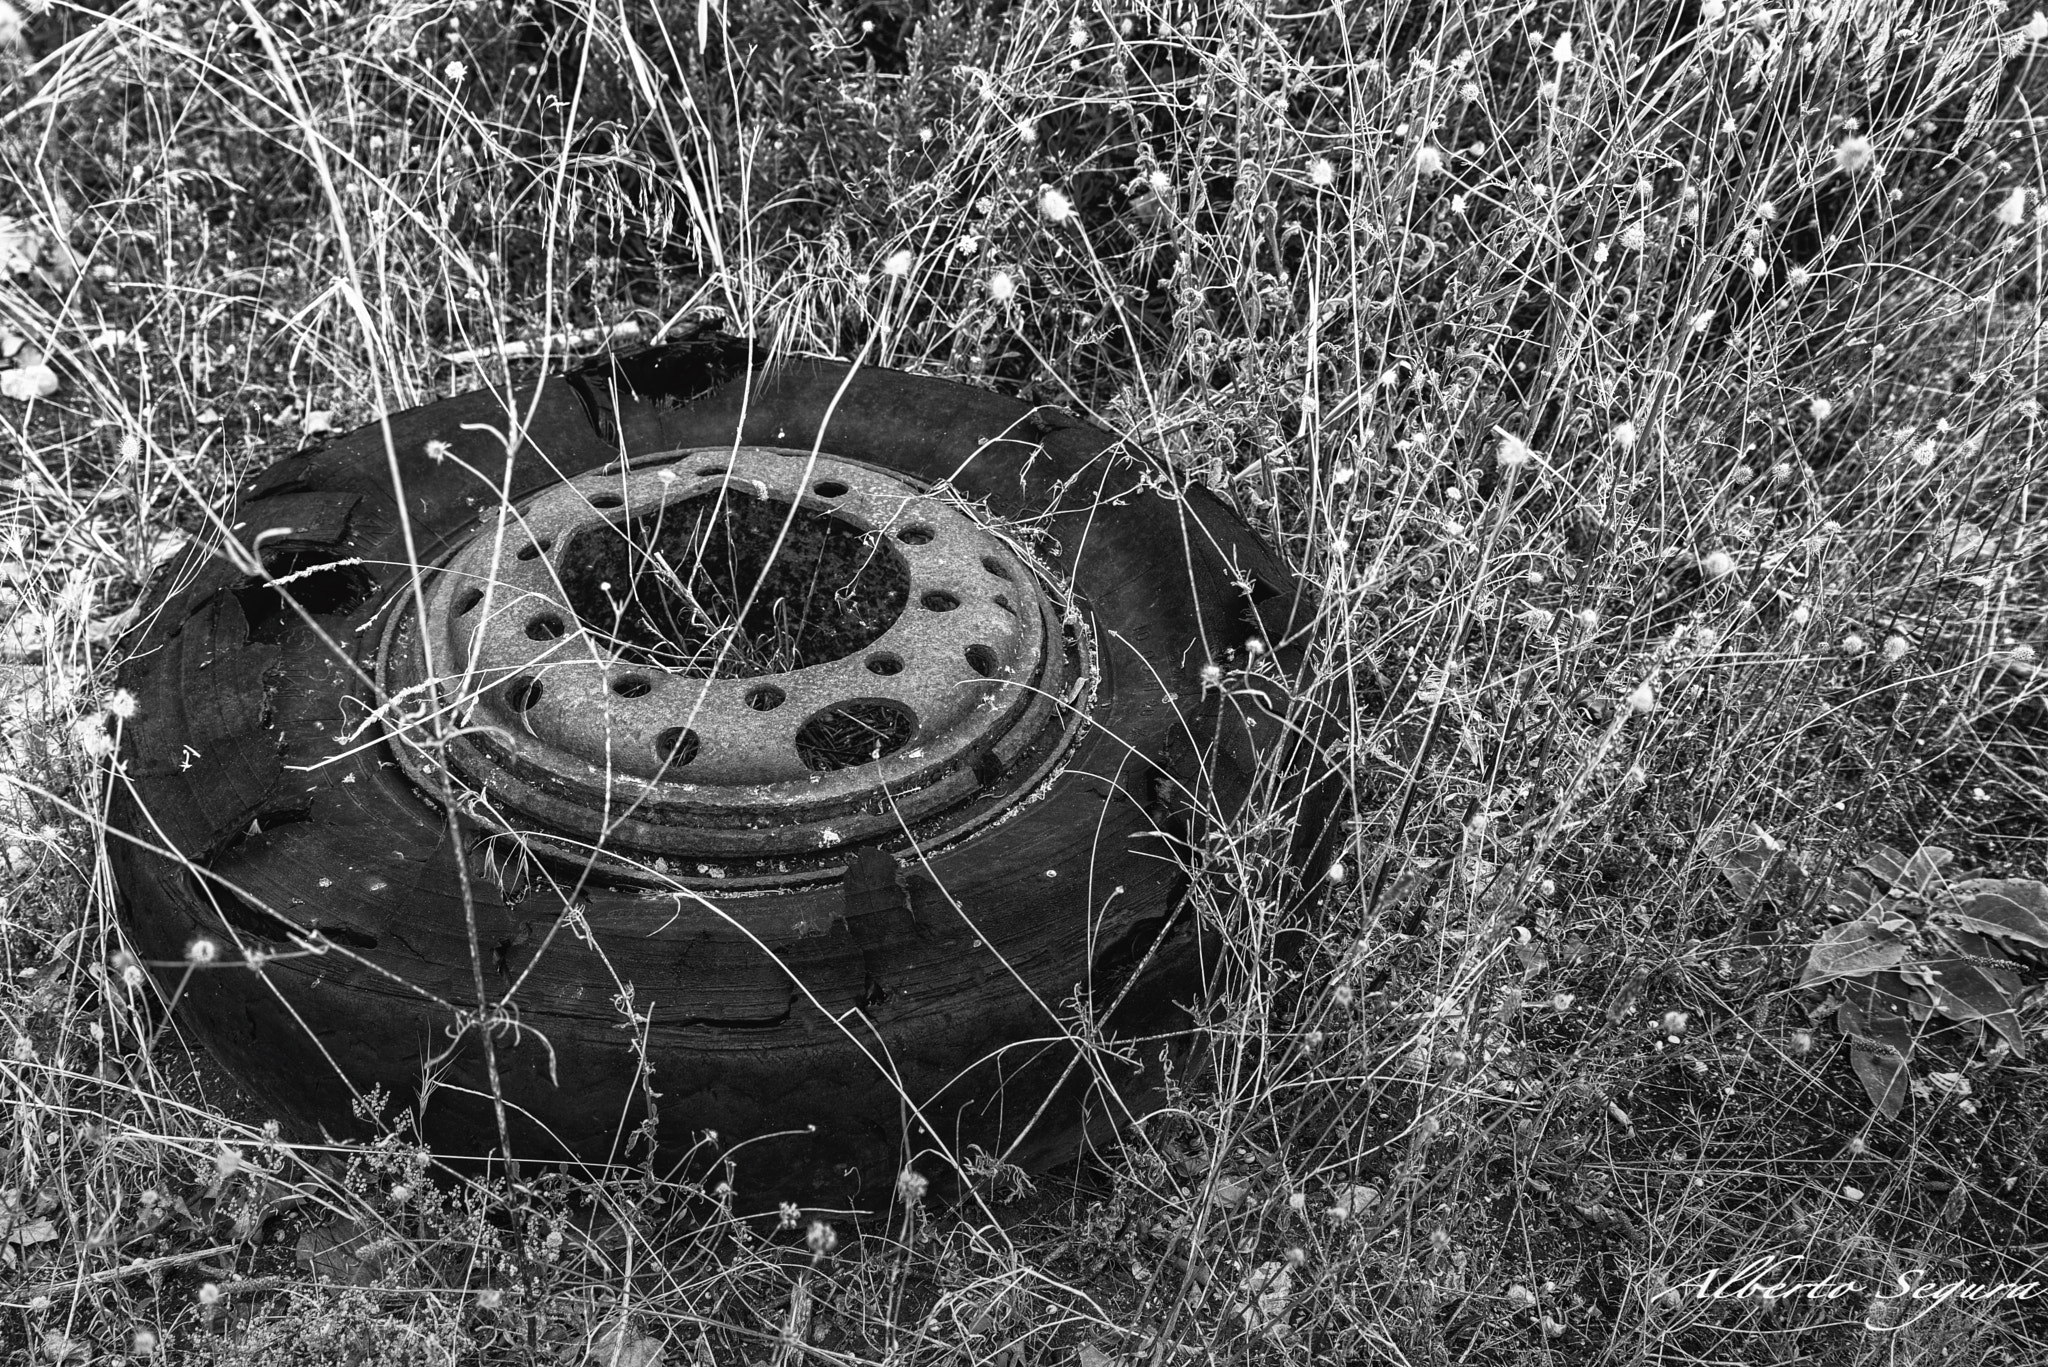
{"x":1659,"y":416}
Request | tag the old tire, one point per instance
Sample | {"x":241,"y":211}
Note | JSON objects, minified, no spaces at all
{"x":832,"y":1019}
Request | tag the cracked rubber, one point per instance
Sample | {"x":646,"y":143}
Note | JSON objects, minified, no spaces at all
{"x":257,"y":815}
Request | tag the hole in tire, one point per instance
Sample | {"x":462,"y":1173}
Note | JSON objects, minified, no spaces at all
{"x":938,"y":600}
{"x":534,"y":549}
{"x":885,"y":664}
{"x":995,"y":567}
{"x":604,"y":501}
{"x":919,"y":535}
{"x":829,"y":488}
{"x":766,"y":698}
{"x":633,"y":686}
{"x":982,"y":661}
{"x":693,"y":588}
{"x":546,"y":627}
{"x":521,"y":694}
{"x":676,"y":746}
{"x":1002,"y":601}
{"x":466,"y":601}
{"x":856,"y":732}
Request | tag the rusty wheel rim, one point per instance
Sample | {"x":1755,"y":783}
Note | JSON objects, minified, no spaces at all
{"x":732,"y":664}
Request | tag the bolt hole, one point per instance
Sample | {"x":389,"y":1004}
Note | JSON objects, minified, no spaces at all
{"x":1003,"y":602}
{"x":676,"y":746}
{"x":546,"y":627}
{"x":534,"y":550}
{"x":982,"y":661}
{"x":466,"y":601}
{"x":938,"y":600}
{"x":885,"y":663}
{"x":607,"y":501}
{"x":521,"y":694}
{"x":829,"y":488}
{"x":994,"y":567}
{"x":633,"y":686}
{"x":711,"y":472}
{"x":916,"y":536}
{"x":766,"y":698}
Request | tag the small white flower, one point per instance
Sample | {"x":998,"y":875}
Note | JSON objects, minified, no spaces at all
{"x":1642,"y":698}
{"x":1589,"y":620}
{"x":2036,"y":28}
{"x":1896,"y":647}
{"x":1852,"y":154}
{"x":1702,"y":320}
{"x":91,"y":735}
{"x":1852,"y":644}
{"x":1027,"y":131}
{"x":2013,"y":210}
{"x":1561,"y":51}
{"x":1002,"y":287}
{"x":209,"y":1293}
{"x":1338,"y":872}
{"x":821,"y":1238}
{"x":1538,"y":619}
{"x":1212,"y":676}
{"x":911,"y":1186}
{"x":1674,"y":1023}
{"x":899,"y":263}
{"x":121,"y":703}
{"x":455,"y":71}
{"x":1822,"y":409}
{"x":1513,"y":452}
{"x":202,"y":951}
{"x":1428,"y":160}
{"x":1520,"y":1297}
{"x":1321,"y":172}
{"x":1056,"y":207}
{"x":1547,"y":91}
{"x":1625,"y":435}
{"x":1801,"y":615}
{"x":1632,"y":237}
{"x":1717,"y":564}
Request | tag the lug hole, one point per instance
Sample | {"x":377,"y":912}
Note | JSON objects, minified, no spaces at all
{"x":534,"y":550}
{"x":829,"y":488}
{"x":606,"y":501}
{"x":982,"y":661}
{"x":1002,"y":601}
{"x":676,"y":746}
{"x":711,"y":472}
{"x":633,"y":686}
{"x":766,"y":698}
{"x":546,"y":627}
{"x":917,"y":535}
{"x":466,"y":601}
{"x":995,"y":567}
{"x":522,"y":694}
{"x":938,"y":600}
{"x":885,"y":663}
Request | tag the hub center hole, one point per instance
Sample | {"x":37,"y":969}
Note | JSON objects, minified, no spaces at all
{"x":700,"y":587}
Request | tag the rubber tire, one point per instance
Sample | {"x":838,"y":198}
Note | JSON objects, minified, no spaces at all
{"x":233,"y":762}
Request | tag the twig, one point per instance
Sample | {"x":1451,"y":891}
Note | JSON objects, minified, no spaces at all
{"x":138,"y":1268}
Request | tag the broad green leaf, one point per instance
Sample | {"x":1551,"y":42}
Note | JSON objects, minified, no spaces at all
{"x":1853,"y":949}
{"x":2011,"y":908}
{"x":1880,"y":1036}
{"x":1965,"y":987}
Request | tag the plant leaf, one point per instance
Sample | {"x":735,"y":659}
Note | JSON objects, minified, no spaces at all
{"x":1880,"y":1039}
{"x":1854,"y":949}
{"x":2011,"y":908}
{"x":1965,"y":988}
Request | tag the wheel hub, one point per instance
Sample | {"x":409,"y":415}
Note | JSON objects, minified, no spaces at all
{"x":715,"y":654}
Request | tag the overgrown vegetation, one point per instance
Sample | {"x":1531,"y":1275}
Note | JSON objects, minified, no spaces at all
{"x":1652,"y":390}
